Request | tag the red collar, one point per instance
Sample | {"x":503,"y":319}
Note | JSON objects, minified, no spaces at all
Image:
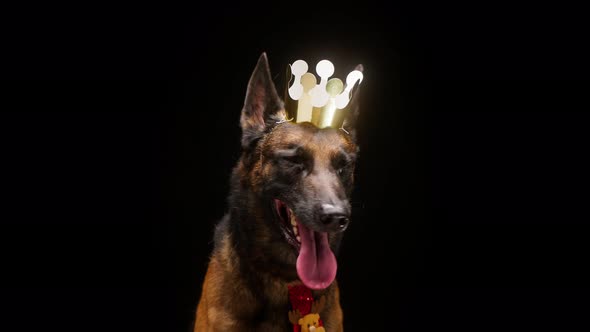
{"x":301,"y":299}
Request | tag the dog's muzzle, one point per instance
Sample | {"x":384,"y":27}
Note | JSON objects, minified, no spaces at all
{"x":334,"y":218}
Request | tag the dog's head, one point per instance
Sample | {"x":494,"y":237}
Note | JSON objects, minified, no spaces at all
{"x":304,"y":176}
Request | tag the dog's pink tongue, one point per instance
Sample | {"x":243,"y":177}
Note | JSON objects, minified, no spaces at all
{"x":316,"y":264}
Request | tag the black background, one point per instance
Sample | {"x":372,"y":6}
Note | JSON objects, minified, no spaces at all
{"x":120,"y":127}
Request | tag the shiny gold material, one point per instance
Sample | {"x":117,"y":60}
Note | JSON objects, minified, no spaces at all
{"x":307,"y":100}
{"x":334,"y":87}
{"x":304,"y":107}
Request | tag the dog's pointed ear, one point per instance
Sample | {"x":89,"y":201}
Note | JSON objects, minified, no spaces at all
{"x":262,"y":107}
{"x":351,"y":117}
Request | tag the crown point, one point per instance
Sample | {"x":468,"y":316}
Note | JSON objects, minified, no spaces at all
{"x":353,"y":76}
{"x":308,"y":81}
{"x":324,"y":68}
{"x":299,"y":67}
{"x":334,"y":87}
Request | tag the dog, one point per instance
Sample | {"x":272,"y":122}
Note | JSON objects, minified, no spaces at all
{"x":288,"y":208}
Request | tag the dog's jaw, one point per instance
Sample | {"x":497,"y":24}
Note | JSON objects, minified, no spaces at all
{"x":288,"y":224}
{"x":316,"y":263}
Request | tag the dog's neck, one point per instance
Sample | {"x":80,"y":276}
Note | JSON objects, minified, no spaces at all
{"x":266,"y":295}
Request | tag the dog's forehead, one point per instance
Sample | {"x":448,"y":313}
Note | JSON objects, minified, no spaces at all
{"x":289,"y":135}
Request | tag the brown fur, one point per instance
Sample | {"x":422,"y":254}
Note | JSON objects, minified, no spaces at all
{"x":252,"y":265}
{"x":227,"y":304}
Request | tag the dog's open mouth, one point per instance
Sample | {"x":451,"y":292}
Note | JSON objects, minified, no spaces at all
{"x":316,"y":263}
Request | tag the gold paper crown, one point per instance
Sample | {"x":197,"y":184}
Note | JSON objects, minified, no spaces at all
{"x":324,"y":104}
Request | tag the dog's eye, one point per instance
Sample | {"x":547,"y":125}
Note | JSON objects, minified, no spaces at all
{"x":342,"y":164}
{"x":293,"y":163}
{"x":294,"y":159}
{"x":343,"y":169}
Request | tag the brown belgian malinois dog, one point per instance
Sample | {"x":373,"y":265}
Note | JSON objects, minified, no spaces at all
{"x":288,"y":207}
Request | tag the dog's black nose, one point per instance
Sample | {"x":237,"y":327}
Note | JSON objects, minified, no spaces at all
{"x":335,"y":222}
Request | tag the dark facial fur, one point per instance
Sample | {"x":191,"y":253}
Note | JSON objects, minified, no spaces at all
{"x":310,"y":170}
{"x":307,"y":168}
{"x":303,"y":166}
